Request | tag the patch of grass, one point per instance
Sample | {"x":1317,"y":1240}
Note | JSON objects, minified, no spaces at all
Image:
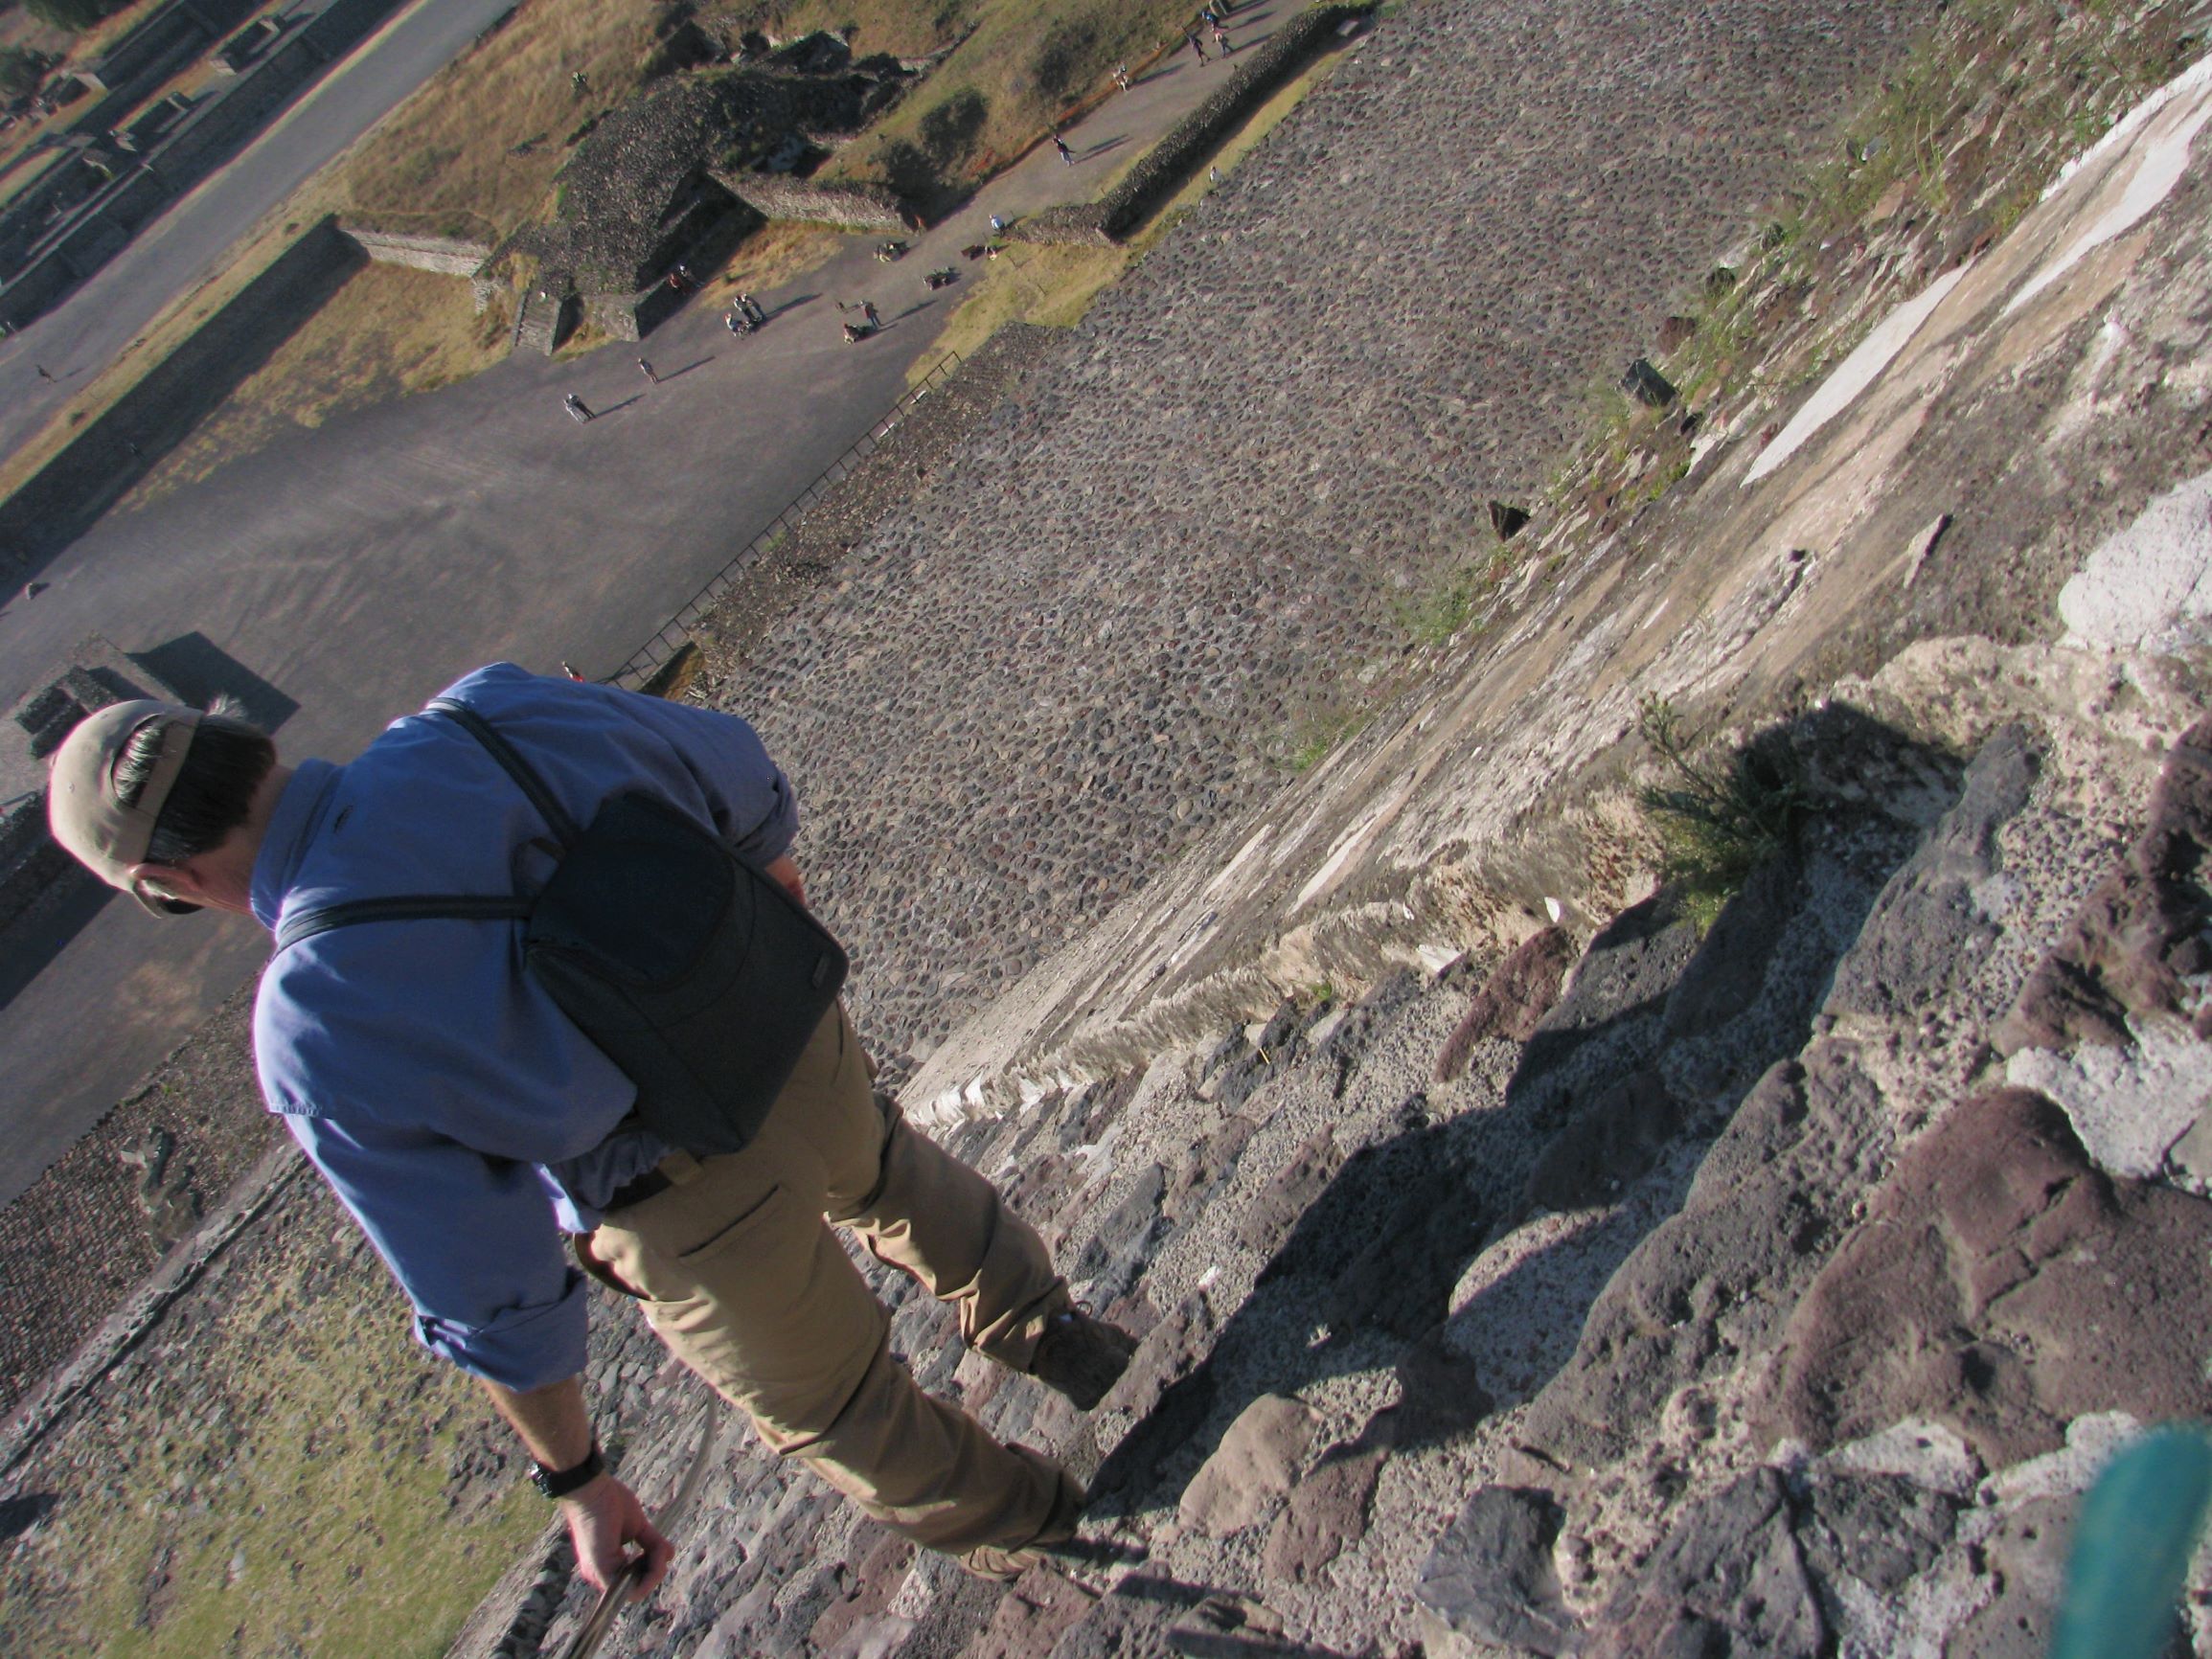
{"x":248,"y":259}
{"x":1716,"y":816}
{"x":293,"y":1499}
{"x":1026,"y":284}
{"x":1317,"y":736}
{"x":387,"y":332}
{"x":1055,"y":287}
{"x":471,"y":150}
{"x":90,"y":43}
{"x":1025,"y":63}
{"x":674,"y":678}
{"x":777,"y":253}
{"x":1433,"y":617}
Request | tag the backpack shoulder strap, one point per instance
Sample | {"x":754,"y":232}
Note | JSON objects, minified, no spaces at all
{"x":510,"y":758}
{"x":402,"y":907}
{"x":452,"y":906}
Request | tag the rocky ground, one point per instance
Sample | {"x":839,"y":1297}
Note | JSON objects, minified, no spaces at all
{"x":1701,"y":1292}
{"x":1530,"y":1255}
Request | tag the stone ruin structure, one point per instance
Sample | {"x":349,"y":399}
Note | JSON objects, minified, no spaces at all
{"x":686,"y":171}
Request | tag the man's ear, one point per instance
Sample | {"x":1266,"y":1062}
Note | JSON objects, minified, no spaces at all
{"x":178,"y":881}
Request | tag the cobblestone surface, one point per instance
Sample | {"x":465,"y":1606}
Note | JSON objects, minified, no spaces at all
{"x":96,"y":1222}
{"x":1161,"y":565}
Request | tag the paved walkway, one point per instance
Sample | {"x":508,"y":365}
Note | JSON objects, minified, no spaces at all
{"x":191,"y":240}
{"x":359,"y":567}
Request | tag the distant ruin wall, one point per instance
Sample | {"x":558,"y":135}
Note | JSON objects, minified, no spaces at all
{"x":215,"y":130}
{"x":111,"y":453}
{"x":1079,"y":224}
{"x":860,"y":207}
{"x":633,"y":315}
{"x":449,"y":255}
{"x":151,"y":47}
{"x":1176,"y":156}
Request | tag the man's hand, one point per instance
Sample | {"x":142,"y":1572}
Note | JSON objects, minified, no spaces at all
{"x":604,"y":1518}
{"x":784,"y":873}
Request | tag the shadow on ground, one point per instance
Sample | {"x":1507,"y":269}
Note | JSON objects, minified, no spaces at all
{"x":1658,"y":1038}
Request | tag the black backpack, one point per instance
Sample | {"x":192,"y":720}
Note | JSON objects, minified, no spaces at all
{"x":695,"y":973}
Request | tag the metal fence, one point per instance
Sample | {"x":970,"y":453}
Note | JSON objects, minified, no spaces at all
{"x":676,"y":633}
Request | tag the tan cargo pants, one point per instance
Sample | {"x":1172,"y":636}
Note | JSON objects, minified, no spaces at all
{"x":738,"y":1272}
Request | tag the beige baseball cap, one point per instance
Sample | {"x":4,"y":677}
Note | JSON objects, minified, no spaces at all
{"x":83,"y":809}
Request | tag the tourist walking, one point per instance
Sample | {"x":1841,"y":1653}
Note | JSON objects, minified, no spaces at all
{"x":1222,"y":40}
{"x":577,"y":408}
{"x":1122,"y":76}
{"x":646,"y":369}
{"x":488,"y":1146}
{"x":1066,"y":155}
{"x":1195,"y":47}
{"x":868,"y":311}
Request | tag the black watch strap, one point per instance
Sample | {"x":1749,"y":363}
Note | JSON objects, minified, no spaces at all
{"x":559,"y":1483}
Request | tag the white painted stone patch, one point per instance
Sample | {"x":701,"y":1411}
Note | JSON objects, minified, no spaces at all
{"x":2128,"y":1105}
{"x":1854,"y":373}
{"x":2175,"y":113}
{"x":2148,"y":586}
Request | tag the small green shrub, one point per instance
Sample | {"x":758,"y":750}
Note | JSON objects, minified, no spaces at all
{"x":1066,"y":62}
{"x":950,"y":131}
{"x":21,"y":70}
{"x":1319,"y":733}
{"x":73,"y":15}
{"x":1433,"y":617}
{"x":1716,"y":819}
{"x":907,"y":168}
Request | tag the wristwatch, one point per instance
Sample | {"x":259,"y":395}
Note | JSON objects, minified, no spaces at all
{"x":559,"y":1483}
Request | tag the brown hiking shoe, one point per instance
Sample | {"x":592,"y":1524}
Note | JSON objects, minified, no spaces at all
{"x":1080,"y":1356}
{"x":1005,"y":1565}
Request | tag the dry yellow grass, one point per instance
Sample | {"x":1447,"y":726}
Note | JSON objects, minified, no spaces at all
{"x":776,"y":253}
{"x":1026,"y":61}
{"x":1054,"y":286}
{"x":28,"y":173}
{"x":388,"y":331}
{"x":475,"y":151}
{"x":98,"y":39}
{"x":249,"y":257}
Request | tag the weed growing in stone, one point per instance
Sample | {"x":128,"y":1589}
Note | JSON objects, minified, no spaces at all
{"x":1317,"y":736}
{"x":1716,"y":818}
{"x":1969,"y":129}
{"x":1432,"y":617}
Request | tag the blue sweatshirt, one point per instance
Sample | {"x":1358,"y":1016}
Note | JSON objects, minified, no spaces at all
{"x":460,"y":1115}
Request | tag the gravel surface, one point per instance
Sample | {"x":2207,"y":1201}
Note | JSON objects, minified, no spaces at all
{"x":1172,"y":555}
